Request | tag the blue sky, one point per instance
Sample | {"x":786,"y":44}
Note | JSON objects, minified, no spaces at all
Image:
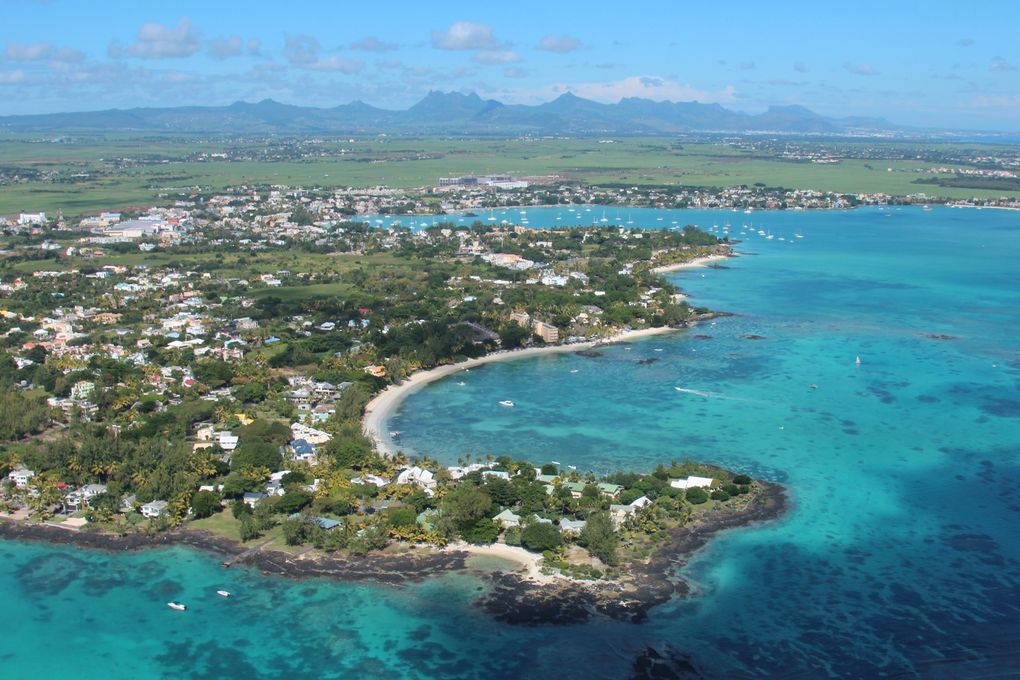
{"x":947,"y":64}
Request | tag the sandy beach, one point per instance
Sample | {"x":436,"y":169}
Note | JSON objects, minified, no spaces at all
{"x":691,"y":264}
{"x":379,"y":409}
{"x":530,"y":562}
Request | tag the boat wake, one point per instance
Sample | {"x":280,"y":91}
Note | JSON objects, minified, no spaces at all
{"x":706,"y":395}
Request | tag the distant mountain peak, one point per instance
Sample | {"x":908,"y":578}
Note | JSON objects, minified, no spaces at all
{"x":453,"y":112}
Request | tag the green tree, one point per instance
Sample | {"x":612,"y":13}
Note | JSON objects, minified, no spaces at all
{"x":541,"y":536}
{"x":248,"y":529}
{"x":466,"y":504}
{"x":256,"y":454}
{"x":205,"y":503}
{"x":600,"y":538}
{"x":480,"y":532}
{"x":293,"y":501}
{"x":697,"y":496}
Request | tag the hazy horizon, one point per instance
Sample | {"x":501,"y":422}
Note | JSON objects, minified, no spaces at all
{"x":938,"y":68}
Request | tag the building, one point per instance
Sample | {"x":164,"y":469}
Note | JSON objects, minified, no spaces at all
{"x":522,"y":318}
{"x":546,"y":331}
{"x":692,"y":482}
{"x":154,"y":509}
{"x":20,"y":476}
{"x":508,"y":519}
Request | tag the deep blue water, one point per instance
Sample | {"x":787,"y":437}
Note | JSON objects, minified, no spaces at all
{"x":899,"y":557}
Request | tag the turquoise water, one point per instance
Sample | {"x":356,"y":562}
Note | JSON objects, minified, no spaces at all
{"x":899,"y":555}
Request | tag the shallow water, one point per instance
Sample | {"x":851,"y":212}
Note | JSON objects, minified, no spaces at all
{"x":900,"y":552}
{"x":899,"y":555}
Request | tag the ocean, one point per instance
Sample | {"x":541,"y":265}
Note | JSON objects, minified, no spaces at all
{"x":899,"y":555}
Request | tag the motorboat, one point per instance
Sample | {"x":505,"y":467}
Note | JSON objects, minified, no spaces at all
{"x":506,"y":402}
{"x":179,"y":606}
{"x":223,"y":593}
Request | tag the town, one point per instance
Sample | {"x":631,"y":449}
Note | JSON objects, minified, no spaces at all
{"x":207,"y":364}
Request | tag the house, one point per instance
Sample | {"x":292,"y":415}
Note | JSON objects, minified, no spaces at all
{"x":621,"y":513}
{"x":572,"y":527}
{"x":611,"y":490}
{"x":252,"y":498}
{"x":322,"y":522}
{"x":641,"y":503}
{"x":498,"y":474}
{"x":371,"y":479}
{"x":692,"y":482}
{"x":204,"y":432}
{"x":227,"y":441}
{"x":20,"y":476}
{"x":508,"y":519}
{"x":419,"y":477}
{"x":154,"y":509}
{"x":90,"y":491}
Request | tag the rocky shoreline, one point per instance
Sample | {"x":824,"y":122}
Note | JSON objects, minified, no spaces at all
{"x":511,"y":598}
{"x":515,"y":600}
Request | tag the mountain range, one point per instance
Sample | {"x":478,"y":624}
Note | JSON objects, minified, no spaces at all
{"x":451,"y":113}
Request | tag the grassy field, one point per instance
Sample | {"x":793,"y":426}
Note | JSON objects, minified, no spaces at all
{"x":98,"y":177}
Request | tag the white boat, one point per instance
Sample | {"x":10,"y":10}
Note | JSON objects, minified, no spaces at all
{"x":573,"y":370}
{"x":858,"y":361}
{"x":179,"y":606}
{"x":506,"y":402}
{"x":461,"y":383}
{"x":223,"y":593}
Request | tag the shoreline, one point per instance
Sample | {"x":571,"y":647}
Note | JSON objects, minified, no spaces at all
{"x":692,"y":264}
{"x":382,"y":406}
{"x":523,"y":596}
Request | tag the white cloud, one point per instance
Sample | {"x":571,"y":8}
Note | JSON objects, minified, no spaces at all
{"x":514,"y":72}
{"x":656,"y":88}
{"x":303,"y":51}
{"x":560,"y":44}
{"x":861,"y":69}
{"x":338,"y":64}
{"x":161,"y":41}
{"x":41,"y":51}
{"x":464,"y":35}
{"x":373,"y":44}
{"x":1000,"y":64}
{"x":489,"y":57}
{"x":800,"y":67}
{"x":998,"y":101}
{"x":15,"y":77}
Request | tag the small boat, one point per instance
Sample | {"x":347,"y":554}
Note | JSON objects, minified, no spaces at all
{"x":179,"y":606}
{"x":573,"y":370}
{"x":223,"y":593}
{"x":858,"y":361}
{"x":461,"y":383}
{"x":506,"y":402}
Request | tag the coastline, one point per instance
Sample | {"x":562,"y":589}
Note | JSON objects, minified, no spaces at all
{"x":524,"y":596}
{"x":379,"y":409}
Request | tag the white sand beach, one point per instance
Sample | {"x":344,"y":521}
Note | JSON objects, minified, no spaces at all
{"x":691,"y":264}
{"x":379,"y":409}
{"x":529,"y":561}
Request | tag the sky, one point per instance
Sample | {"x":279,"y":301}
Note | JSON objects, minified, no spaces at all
{"x":929,"y":64}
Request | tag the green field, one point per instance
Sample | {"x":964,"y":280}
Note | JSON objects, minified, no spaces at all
{"x":93,"y":179}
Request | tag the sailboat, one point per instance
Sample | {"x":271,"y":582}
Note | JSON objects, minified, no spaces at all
{"x":858,"y":361}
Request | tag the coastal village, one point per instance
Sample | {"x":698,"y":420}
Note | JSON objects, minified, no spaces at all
{"x":207,"y":365}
